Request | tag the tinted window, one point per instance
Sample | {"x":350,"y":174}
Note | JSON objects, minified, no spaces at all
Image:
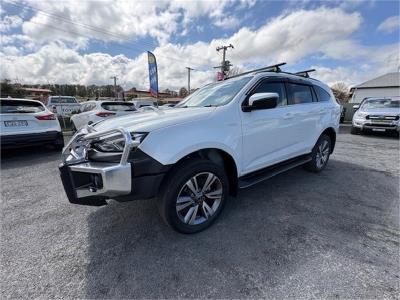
{"x":113,"y":106}
{"x":18,"y":106}
{"x":300,"y":93}
{"x":322,"y":95}
{"x":88,"y":107}
{"x":273,"y":87}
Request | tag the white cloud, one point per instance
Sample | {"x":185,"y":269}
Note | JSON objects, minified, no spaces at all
{"x":227,"y":22}
{"x":390,"y":24}
{"x":9,"y":22}
{"x":290,"y":37}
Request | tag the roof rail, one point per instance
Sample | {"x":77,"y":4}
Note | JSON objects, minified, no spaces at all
{"x":305,"y":73}
{"x":272,"y":68}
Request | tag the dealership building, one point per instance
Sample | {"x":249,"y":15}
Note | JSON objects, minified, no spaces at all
{"x":387,"y":85}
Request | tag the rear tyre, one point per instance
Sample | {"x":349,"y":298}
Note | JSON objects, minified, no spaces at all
{"x":193,"y":195}
{"x":355,"y":130}
{"x":320,"y":154}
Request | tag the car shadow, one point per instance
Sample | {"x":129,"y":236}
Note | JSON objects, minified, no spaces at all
{"x":259,"y":246}
{"x":12,"y":158}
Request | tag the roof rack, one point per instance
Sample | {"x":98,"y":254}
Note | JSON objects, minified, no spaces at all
{"x":272,"y":68}
{"x":304,"y":73}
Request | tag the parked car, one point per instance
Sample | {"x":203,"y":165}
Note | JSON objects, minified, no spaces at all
{"x":225,"y":136}
{"x":141,"y":102}
{"x":94,"y":111}
{"x":28,"y":122}
{"x":378,"y":115}
{"x":63,"y":105}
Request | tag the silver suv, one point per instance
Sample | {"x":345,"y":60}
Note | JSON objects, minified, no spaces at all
{"x":377,"y":114}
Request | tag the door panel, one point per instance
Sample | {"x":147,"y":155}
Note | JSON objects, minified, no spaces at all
{"x":269,"y":134}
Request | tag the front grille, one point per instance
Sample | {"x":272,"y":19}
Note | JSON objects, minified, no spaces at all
{"x":382,"y":118}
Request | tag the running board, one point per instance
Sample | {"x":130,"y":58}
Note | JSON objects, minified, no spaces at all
{"x":258,"y":176}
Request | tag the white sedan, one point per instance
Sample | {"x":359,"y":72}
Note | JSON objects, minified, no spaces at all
{"x":94,"y":111}
{"x":28,"y":122}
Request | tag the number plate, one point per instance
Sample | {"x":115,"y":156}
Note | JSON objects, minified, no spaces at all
{"x":16,"y":123}
{"x":378,"y":129}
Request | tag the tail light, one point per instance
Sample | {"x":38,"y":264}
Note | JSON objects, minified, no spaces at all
{"x":46,"y":117}
{"x":105,"y":114}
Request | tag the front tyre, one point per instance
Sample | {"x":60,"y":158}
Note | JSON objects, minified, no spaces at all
{"x":320,"y":154}
{"x":193,"y":195}
{"x":355,"y":130}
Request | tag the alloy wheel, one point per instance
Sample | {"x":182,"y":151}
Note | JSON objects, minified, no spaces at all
{"x":199,"y":198}
{"x":322,"y":154}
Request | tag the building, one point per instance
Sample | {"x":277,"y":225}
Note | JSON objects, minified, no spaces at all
{"x":134,"y":93}
{"x":387,"y":85}
{"x":37,"y":94}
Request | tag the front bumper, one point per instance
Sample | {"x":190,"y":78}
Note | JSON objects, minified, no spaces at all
{"x":364,"y":124}
{"x":127,"y":177}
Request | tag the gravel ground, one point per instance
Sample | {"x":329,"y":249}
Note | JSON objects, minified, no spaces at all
{"x":298,"y":235}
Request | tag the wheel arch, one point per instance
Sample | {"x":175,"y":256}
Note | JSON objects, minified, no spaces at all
{"x":332,"y":135}
{"x":219,"y":157}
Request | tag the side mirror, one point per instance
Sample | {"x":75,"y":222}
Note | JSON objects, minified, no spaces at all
{"x":356,"y":107}
{"x":262,"y":101}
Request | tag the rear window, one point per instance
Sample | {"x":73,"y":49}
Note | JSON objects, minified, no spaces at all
{"x":18,"y":106}
{"x":122,"y":106}
{"x":62,"y":100}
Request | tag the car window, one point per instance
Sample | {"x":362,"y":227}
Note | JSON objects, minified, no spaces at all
{"x":62,"y":100}
{"x":112,"y":106}
{"x":322,"y":95}
{"x":88,"y":107}
{"x":300,"y":93}
{"x":273,"y":87}
{"x":18,"y":106}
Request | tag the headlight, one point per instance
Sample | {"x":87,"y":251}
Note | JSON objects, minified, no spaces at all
{"x":116,"y":143}
{"x":360,"y":115}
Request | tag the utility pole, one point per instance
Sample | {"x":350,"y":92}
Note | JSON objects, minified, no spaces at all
{"x":189,"y":69}
{"x":225,"y":64}
{"x":115,"y":86}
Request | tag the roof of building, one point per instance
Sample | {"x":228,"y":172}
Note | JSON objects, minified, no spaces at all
{"x":387,"y":80}
{"x":37,"y":90}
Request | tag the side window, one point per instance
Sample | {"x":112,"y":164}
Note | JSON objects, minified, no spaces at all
{"x":300,"y":93}
{"x":273,"y":87}
{"x":322,"y":95}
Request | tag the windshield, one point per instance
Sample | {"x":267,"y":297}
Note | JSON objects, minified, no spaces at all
{"x":215,"y":94}
{"x":381,"y":103}
{"x":62,"y":100}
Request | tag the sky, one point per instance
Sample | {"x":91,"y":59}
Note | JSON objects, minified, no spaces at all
{"x":87,"y":42}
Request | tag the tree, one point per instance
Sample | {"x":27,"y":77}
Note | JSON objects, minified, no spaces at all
{"x":12,"y":90}
{"x":341,"y":92}
{"x":183,"y":92}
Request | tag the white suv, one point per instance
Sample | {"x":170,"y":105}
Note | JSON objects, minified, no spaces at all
{"x":225,"y":136}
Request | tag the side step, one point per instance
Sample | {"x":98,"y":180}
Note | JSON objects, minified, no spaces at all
{"x":261,"y":175}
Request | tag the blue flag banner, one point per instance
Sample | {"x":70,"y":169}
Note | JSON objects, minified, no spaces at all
{"x":153,"y":76}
